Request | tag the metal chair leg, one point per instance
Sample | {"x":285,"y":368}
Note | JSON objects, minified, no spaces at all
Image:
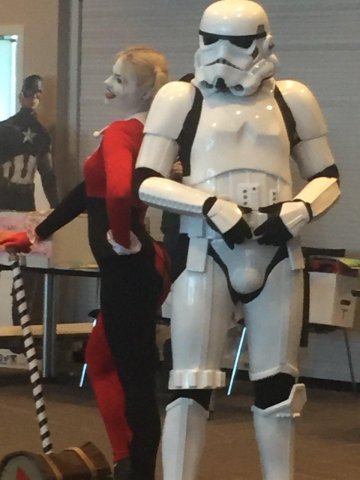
{"x":348,"y":352}
{"x":92,"y":314}
{"x":236,"y":361}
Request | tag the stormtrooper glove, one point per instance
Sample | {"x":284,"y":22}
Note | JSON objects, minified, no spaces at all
{"x":286,"y":219}
{"x":227,"y":218}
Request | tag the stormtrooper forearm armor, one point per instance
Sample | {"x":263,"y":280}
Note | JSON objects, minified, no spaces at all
{"x":319,"y":194}
{"x":175,"y":197}
{"x":181,"y":199}
{"x":314,"y":199}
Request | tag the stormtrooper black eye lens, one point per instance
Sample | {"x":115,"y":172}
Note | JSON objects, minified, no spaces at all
{"x":209,"y":39}
{"x":242,"y":42}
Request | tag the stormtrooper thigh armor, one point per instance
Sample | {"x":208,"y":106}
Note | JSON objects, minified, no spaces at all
{"x":201,"y":314}
{"x":274,"y":321}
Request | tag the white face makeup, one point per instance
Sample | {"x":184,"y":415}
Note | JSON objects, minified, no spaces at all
{"x":122,"y":89}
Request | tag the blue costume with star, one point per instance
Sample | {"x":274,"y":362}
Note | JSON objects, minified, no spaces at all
{"x":24,"y":148}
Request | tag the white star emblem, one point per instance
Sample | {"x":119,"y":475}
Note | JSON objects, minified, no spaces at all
{"x":28,"y":136}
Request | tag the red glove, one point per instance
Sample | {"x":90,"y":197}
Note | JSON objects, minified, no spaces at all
{"x":15,"y":241}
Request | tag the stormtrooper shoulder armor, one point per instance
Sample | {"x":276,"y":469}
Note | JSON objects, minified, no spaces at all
{"x":310,"y":122}
{"x":169,"y":109}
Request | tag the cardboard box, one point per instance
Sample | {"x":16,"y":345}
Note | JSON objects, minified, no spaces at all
{"x":70,"y":246}
{"x":331,"y":300}
{"x":344,"y":265}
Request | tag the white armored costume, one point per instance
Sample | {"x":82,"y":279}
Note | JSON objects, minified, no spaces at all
{"x":242,"y":220}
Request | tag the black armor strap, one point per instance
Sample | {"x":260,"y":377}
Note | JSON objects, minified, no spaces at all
{"x":186,"y":138}
{"x":288,"y":118}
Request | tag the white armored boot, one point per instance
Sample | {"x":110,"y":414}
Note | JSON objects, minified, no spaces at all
{"x":183,"y":439}
{"x":274,"y":429}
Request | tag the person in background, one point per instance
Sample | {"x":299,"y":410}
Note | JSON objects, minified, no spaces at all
{"x":121,"y":354}
{"x":25,"y":147}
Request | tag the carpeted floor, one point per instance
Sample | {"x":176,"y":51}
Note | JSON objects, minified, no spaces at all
{"x":328,"y":434}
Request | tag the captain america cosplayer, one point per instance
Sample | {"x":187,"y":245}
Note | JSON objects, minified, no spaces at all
{"x":134,"y":270}
{"x":240,"y":225}
{"x":25,"y":147}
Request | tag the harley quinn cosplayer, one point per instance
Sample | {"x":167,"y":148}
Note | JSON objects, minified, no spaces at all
{"x":240,"y":223}
{"x":133,"y":268}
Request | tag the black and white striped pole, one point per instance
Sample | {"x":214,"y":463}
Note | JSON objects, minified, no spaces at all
{"x":35,"y":379}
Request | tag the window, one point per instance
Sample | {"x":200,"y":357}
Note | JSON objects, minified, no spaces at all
{"x":8,"y":51}
{"x":10,"y":68}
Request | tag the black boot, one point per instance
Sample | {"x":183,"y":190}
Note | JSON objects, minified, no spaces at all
{"x":122,"y":470}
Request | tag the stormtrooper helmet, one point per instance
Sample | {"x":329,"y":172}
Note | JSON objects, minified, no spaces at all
{"x":235,"y":52}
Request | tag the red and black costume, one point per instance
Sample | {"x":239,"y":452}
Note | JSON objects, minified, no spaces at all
{"x":131,"y":288}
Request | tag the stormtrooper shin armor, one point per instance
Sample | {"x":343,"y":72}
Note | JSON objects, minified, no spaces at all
{"x":183,"y":439}
{"x":274,"y":429}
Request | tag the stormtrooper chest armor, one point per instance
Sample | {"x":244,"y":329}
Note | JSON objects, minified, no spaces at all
{"x":241,"y":144}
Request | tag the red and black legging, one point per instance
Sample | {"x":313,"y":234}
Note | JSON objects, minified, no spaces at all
{"x":124,"y":377}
